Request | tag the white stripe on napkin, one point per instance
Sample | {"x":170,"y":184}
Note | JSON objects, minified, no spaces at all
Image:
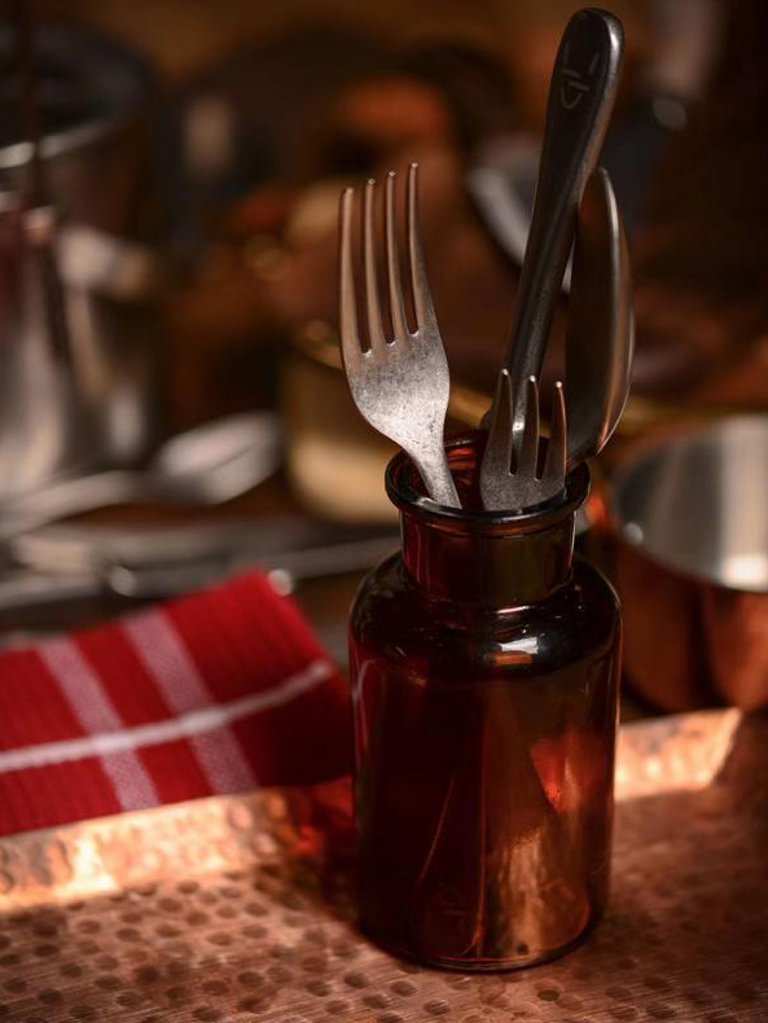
{"x":82,"y":689}
{"x":166,"y":658}
{"x":110,"y":743}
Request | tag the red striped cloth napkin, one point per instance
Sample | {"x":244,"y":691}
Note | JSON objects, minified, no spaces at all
{"x":221,"y":691}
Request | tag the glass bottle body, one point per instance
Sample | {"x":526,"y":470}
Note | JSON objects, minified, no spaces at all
{"x":485,"y":733}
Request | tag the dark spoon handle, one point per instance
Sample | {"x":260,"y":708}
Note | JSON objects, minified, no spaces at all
{"x":581,"y":98}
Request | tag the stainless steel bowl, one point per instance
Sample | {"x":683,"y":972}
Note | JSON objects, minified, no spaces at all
{"x":691,"y":519}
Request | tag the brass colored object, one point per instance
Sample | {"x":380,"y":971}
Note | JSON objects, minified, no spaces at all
{"x":319,"y":344}
{"x":336,"y":462}
{"x":238,"y":908}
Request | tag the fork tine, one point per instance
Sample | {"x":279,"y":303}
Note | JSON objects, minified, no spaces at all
{"x":396,"y":301}
{"x":350,"y":337}
{"x":499,"y":445}
{"x":528,"y":452}
{"x":554,"y":467}
{"x":422,"y":299}
{"x":373,"y":308}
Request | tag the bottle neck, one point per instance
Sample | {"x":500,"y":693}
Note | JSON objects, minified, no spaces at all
{"x":501,"y":568}
{"x":492,"y":559}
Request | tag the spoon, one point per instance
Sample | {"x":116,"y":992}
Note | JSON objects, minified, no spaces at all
{"x":581,"y":97}
{"x":208,"y":465}
{"x":600,"y":335}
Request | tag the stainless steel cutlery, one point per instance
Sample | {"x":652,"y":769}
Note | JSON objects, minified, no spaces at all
{"x":581,"y":97}
{"x":600,"y":336}
{"x":207,"y":465}
{"x":582,"y":91}
{"x":514,"y":483}
{"x":400,"y":384}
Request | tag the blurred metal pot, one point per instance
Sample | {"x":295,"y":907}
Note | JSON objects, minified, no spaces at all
{"x":103,"y":404}
{"x":41,"y":431}
{"x":690,"y":516}
{"x":94,"y":97}
{"x":100,"y":401}
{"x":113,"y":290}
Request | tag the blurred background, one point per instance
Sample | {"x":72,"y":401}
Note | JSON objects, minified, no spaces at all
{"x":192,"y":154}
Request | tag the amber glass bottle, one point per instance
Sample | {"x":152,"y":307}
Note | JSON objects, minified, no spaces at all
{"x":484,"y":663}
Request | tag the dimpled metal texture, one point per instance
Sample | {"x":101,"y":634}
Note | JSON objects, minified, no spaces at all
{"x":239,"y":908}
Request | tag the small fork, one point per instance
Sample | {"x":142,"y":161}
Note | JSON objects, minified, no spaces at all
{"x":400,"y":386}
{"x":509,"y":480}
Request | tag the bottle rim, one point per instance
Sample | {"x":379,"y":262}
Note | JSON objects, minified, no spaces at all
{"x":406,"y":491}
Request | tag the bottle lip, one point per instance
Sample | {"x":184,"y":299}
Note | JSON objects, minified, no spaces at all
{"x":405,"y":490}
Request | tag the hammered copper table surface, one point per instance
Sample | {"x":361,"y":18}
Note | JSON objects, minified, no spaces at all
{"x":238,"y":908}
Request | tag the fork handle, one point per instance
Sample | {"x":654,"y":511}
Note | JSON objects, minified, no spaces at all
{"x":437,"y":477}
{"x":581,"y":97}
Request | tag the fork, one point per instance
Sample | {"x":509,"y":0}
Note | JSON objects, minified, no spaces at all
{"x":510,"y":480}
{"x":400,"y":386}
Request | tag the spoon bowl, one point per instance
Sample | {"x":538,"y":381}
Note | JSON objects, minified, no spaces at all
{"x":600,"y":337}
{"x":208,"y":465}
